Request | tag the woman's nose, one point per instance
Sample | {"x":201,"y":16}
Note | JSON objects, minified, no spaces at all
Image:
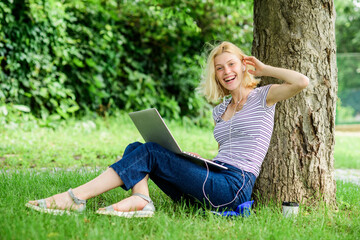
{"x":226,"y":69}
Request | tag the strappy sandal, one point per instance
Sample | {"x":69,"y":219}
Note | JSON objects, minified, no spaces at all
{"x":147,"y":211}
{"x":43,"y":208}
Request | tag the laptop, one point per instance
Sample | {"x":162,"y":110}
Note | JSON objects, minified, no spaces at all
{"x":153,"y":129}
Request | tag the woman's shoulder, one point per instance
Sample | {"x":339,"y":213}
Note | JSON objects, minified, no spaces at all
{"x":219,"y":109}
{"x":261,"y":94}
{"x":222,"y":104}
{"x":262,"y":90}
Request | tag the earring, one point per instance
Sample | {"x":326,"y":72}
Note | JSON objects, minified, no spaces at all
{"x":244,"y":68}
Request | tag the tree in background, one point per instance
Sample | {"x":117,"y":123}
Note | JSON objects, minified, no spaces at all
{"x":299,"y":35}
{"x":348,"y":59}
{"x":347,"y":26}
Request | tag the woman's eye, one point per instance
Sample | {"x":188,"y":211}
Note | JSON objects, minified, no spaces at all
{"x":219,"y":68}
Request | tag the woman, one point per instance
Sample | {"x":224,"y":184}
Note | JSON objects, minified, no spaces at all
{"x":244,"y":124}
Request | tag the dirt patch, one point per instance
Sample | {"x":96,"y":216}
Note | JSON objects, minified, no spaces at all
{"x":348,"y":175}
{"x":348,"y":128}
{"x":341,"y":133}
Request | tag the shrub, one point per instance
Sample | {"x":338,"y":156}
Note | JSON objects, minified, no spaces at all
{"x":65,"y":57}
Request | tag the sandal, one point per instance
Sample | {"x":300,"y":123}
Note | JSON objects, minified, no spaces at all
{"x":42,"y":207}
{"x":147,"y":211}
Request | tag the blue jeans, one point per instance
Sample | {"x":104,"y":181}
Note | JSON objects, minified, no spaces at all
{"x":180,"y":178}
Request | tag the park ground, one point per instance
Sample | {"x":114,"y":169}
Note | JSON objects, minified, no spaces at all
{"x":38,"y":162}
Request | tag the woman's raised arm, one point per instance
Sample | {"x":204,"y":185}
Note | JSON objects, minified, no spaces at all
{"x":294,"y":81}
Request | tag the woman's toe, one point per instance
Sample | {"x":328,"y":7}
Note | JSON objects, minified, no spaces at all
{"x":35,"y":203}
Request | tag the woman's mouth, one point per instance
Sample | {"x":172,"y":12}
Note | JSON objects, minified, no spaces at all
{"x":229,"y":79}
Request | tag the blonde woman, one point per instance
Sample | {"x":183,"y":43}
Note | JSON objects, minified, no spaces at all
{"x":243,"y":129}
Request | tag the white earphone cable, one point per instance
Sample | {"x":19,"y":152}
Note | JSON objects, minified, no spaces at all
{"x":207,"y":167}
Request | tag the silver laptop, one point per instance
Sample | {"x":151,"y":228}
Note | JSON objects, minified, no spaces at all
{"x":153,"y":129}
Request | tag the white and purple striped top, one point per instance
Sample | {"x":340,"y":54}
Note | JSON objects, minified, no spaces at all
{"x":250,"y":129}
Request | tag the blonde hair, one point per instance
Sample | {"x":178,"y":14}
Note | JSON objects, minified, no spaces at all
{"x":210,"y":86}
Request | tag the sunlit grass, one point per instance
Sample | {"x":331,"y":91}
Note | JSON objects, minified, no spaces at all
{"x":99,"y":142}
{"x":171,"y":221}
{"x":94,"y":142}
{"x":347,"y":150}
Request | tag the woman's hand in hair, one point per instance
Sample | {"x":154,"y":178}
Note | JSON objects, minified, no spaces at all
{"x":257,"y":64}
{"x":293,"y":83}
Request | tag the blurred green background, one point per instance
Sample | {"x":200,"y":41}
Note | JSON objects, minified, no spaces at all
{"x":348,"y":60}
{"x":70,"y":58}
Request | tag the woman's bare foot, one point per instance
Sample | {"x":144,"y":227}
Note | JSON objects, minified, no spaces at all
{"x":61,"y":201}
{"x":132,"y":203}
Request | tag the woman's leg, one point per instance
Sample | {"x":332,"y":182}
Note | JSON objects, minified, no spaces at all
{"x":133,"y":203}
{"x":179,"y":177}
{"x":103,"y":183}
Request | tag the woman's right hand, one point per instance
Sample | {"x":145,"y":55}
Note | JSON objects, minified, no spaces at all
{"x":195,"y":154}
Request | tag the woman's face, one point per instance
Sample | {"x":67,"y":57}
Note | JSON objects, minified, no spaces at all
{"x":229,"y":70}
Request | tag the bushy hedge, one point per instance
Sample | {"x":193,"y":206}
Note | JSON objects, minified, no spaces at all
{"x":65,"y":57}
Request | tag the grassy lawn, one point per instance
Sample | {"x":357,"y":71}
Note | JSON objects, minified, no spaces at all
{"x":100,"y":142}
{"x":88,"y":143}
{"x":171,"y":221}
{"x":34,"y":162}
{"x":347,"y":150}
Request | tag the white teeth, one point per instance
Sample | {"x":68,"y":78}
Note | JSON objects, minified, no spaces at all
{"x":229,"y":79}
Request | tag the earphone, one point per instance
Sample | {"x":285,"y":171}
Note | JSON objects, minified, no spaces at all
{"x":207,"y":167}
{"x":244,"y":65}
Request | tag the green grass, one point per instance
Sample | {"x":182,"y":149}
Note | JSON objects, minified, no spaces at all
{"x":100,"y":142}
{"x":88,"y":143}
{"x":171,"y":221}
{"x":97,"y":143}
{"x":347,"y":151}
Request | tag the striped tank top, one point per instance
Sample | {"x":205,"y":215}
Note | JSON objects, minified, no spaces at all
{"x":244,"y":140}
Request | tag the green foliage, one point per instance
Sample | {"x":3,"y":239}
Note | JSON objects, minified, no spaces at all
{"x":348,"y":58}
{"x":33,"y":40}
{"x":344,"y":113}
{"x":347,"y":25}
{"x":348,"y":71}
{"x":59,"y":57}
{"x":349,"y":82}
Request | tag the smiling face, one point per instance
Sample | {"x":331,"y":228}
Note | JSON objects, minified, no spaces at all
{"x":229,"y":71}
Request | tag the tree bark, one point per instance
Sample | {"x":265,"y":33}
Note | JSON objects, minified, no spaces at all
{"x":299,"y":35}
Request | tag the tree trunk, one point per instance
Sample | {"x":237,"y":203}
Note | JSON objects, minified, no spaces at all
{"x":299,"y":35}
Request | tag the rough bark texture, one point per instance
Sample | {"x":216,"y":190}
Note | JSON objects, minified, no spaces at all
{"x":299,"y":35}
